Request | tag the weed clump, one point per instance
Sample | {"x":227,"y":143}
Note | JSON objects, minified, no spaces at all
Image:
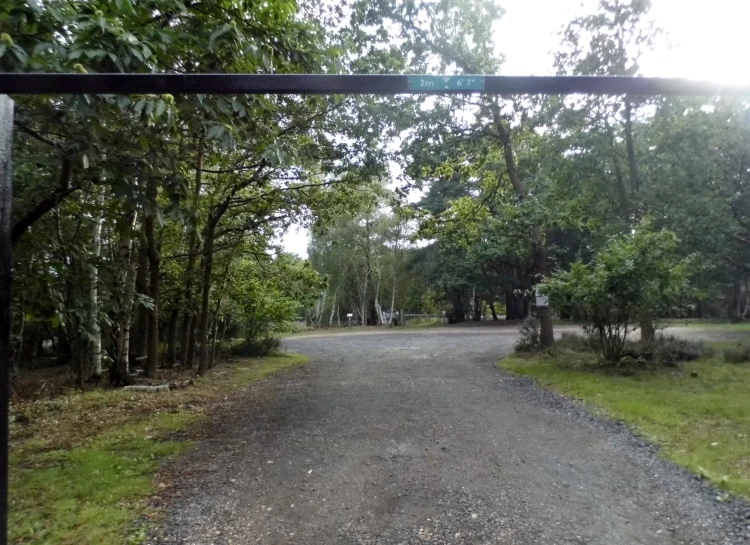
{"x":670,"y":350}
{"x":737,"y":354}
{"x":530,"y":339}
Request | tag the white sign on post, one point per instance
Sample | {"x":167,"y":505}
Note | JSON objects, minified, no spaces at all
{"x":542,"y":301}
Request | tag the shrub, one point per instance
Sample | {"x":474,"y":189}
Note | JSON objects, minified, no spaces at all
{"x":635,"y":273}
{"x":737,"y":354}
{"x":670,"y":350}
{"x":257,"y":348}
{"x":529,"y":339}
{"x":574,"y":342}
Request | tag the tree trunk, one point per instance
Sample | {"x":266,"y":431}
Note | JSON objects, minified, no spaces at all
{"x":65,"y":188}
{"x":319,"y":311}
{"x":378,"y":308}
{"x":214,"y":340}
{"x":514,"y":306}
{"x":333,"y":307}
{"x":187,"y":349}
{"x":152,"y":351}
{"x":477,"y":317}
{"x":630,"y":149}
{"x":223,"y":336}
{"x":120,"y":371}
{"x":645,"y":318}
{"x":139,"y":341}
{"x":734,"y":307}
{"x":190,"y":356}
{"x":647,"y":329}
{"x":96,"y":332}
{"x":393,"y":302}
{"x":172,"y":338}
{"x":208,"y":262}
{"x":547,"y":337}
{"x":491,"y":303}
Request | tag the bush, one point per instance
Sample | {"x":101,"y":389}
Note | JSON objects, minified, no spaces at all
{"x":574,"y":342}
{"x":530,"y":338}
{"x":737,"y":354}
{"x":670,"y":350}
{"x":635,"y":273}
{"x":267,"y":346}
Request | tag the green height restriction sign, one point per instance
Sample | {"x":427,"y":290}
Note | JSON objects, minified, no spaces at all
{"x":446,"y":83}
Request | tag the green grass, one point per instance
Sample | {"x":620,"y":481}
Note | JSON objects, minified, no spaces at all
{"x":708,"y":323}
{"x":83,"y":465}
{"x":424,"y":323}
{"x":702,"y":422}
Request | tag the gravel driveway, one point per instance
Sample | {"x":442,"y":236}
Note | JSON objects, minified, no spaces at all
{"x":418,"y":438}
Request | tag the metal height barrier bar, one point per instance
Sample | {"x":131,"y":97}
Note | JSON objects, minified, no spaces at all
{"x":325,"y":84}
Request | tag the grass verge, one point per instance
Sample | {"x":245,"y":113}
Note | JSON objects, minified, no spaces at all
{"x":709,"y":323}
{"x":699,"y":413}
{"x":82,"y":465}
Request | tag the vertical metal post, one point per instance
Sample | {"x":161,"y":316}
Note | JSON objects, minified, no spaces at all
{"x":6,"y":197}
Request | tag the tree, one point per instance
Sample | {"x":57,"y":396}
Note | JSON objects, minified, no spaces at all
{"x":633,"y":273}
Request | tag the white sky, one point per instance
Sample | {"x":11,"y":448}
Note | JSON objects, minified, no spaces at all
{"x":708,"y":41}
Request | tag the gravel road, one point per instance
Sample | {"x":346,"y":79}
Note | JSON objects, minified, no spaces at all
{"x":399,"y":438}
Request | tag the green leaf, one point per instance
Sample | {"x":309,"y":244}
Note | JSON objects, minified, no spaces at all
{"x":160,"y":107}
{"x":223,"y":29}
{"x":215,"y":131}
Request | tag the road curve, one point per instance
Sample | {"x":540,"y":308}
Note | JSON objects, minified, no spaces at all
{"x":418,"y":438}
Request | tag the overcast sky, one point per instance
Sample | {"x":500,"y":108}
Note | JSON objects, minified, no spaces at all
{"x":708,"y":41}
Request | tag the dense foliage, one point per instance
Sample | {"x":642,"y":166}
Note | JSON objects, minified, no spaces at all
{"x":633,"y":273}
{"x":496,"y":194}
{"x":146,"y":228}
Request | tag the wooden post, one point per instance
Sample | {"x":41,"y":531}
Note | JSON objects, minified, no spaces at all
{"x":6,"y":198}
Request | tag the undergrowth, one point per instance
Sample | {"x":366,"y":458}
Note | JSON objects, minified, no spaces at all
{"x":82,"y":465}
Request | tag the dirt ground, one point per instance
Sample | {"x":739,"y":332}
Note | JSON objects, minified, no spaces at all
{"x":417,"y":437}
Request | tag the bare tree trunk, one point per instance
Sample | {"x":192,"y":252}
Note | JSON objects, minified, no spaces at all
{"x":333,"y":307}
{"x":139,"y":341}
{"x":120,"y":372}
{"x":491,"y":303}
{"x":647,"y":328}
{"x":393,"y":300}
{"x":364,"y":312}
{"x":190,"y":359}
{"x":174,"y":317}
{"x":546,"y":335}
{"x":215,"y":337}
{"x":378,"y":308}
{"x":223,"y":336}
{"x":217,"y":311}
{"x":96,"y":331}
{"x":152,"y":250}
{"x":208,"y":262}
{"x":319,"y":310}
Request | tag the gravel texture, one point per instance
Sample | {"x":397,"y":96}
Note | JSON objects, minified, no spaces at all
{"x":406,"y":438}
